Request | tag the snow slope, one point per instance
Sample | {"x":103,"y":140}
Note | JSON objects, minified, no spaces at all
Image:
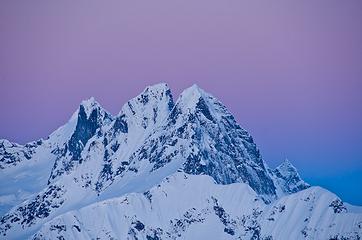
{"x":195,"y":207}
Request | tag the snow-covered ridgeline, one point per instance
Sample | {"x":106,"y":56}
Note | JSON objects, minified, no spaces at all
{"x":96,"y":156}
{"x":194,"y":207}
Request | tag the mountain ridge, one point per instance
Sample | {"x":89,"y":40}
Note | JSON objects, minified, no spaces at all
{"x":146,"y":215}
{"x":97,"y":156}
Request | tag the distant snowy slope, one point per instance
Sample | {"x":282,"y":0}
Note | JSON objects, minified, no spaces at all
{"x":194,"y":207}
{"x":24,"y":170}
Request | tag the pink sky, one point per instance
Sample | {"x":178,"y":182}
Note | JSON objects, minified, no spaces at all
{"x":290,"y":72}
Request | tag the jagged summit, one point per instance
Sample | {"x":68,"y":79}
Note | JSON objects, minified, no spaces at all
{"x":194,"y":90}
{"x":288,"y":178}
{"x":89,"y":105}
{"x":287,"y":167}
{"x":90,"y":102}
{"x":147,"y":109}
{"x":159,"y":87}
{"x":191,"y":96}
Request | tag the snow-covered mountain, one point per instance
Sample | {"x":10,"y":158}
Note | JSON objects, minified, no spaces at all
{"x":160,"y":169}
{"x":193,"y":207}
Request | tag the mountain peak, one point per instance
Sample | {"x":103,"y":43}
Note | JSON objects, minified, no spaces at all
{"x":286,"y":167}
{"x":146,"y":110}
{"x":159,"y":87}
{"x":194,"y":92}
{"x":194,"y":88}
{"x":289,"y":178}
{"x":192,"y":96}
{"x":151,"y":94}
{"x":89,"y":105}
{"x":88,"y":102}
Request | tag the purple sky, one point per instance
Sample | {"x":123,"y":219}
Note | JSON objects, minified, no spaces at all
{"x":291,"y":72}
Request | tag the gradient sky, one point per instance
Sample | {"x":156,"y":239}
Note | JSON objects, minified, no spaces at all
{"x":290,"y":71}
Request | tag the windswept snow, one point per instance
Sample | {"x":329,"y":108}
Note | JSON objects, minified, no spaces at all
{"x":186,"y":206}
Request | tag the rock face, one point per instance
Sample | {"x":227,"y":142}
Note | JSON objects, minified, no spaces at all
{"x":96,"y":157}
{"x":204,"y":136}
{"x":90,"y":118}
